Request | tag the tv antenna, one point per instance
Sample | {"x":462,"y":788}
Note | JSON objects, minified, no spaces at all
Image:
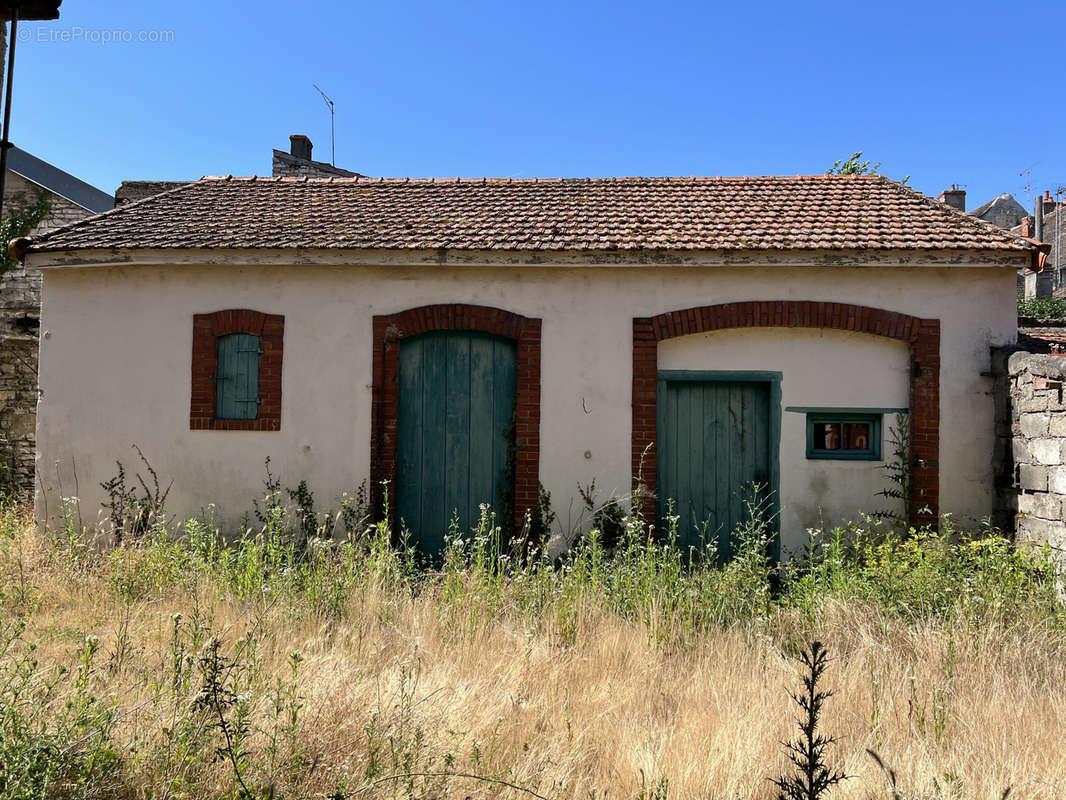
{"x":1027,"y":173}
{"x":332,"y":133}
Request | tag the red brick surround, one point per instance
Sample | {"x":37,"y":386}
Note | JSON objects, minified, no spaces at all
{"x":923,"y":335}
{"x":390,"y":329}
{"x":206,"y":328}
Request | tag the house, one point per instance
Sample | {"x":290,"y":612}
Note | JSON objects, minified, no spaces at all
{"x":464,"y":340}
{"x":69,"y":199}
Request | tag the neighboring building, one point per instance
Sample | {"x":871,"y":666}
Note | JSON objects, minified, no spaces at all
{"x":297,"y":163}
{"x":1006,"y":212}
{"x":1048,"y":225}
{"x":70,"y":199}
{"x":465,"y":340}
{"x":1003,"y":210}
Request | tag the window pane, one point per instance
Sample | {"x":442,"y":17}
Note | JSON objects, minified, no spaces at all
{"x":827,"y":436}
{"x":857,"y":436}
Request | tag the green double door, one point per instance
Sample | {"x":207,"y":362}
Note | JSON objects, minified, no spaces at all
{"x":454,"y":428}
{"x":714,"y":442}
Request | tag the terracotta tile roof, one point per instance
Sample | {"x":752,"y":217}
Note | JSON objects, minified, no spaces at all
{"x":1042,"y":340}
{"x":802,"y":212}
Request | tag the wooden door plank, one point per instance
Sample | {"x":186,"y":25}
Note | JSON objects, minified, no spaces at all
{"x":481,"y":432}
{"x":434,"y":518}
{"x":505,"y":389}
{"x":711,"y":464}
{"x":457,"y":430}
{"x":407,"y":493}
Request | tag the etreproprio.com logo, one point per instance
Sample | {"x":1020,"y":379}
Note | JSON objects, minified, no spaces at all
{"x":49,"y":35}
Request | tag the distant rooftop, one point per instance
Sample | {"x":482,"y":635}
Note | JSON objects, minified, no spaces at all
{"x":132,"y":191}
{"x":58,"y":182}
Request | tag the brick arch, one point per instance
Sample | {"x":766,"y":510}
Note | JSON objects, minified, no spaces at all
{"x":923,"y":336}
{"x":391,"y":329}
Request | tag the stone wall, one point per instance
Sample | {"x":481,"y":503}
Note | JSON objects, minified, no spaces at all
{"x":20,"y":319}
{"x":133,"y":191}
{"x":20,"y":312}
{"x":286,"y":165}
{"x":62,"y":212}
{"x":1038,"y":425}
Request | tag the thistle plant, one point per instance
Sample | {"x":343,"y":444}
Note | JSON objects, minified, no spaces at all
{"x":813,"y":777}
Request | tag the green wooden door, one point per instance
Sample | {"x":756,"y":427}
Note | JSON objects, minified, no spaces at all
{"x":714,"y":443}
{"x":456,"y":408}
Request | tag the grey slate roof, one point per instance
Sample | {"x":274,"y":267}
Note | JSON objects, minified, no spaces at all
{"x":1002,"y":210}
{"x":58,"y":182}
{"x":817,"y":212}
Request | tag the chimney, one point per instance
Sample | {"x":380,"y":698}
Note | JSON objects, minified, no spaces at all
{"x":1049,"y":204}
{"x":956,"y":198}
{"x":300,"y":146}
{"x":1027,"y":227}
{"x":1038,"y":234}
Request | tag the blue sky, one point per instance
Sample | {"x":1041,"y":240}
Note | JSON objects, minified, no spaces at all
{"x":945,"y":92}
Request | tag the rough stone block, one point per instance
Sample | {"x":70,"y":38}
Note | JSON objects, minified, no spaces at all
{"x":1038,"y":402}
{"x":1057,"y":426}
{"x":1043,"y":505}
{"x":1046,"y":451}
{"x":1035,"y":425}
{"x":1022,"y":453}
{"x":1033,"y":531}
{"x":1034,"y":478}
{"x":1057,"y":480}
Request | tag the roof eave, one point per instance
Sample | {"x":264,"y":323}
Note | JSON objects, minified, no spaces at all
{"x":893,"y":257}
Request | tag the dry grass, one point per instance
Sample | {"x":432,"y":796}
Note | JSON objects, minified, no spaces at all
{"x":430,"y":681}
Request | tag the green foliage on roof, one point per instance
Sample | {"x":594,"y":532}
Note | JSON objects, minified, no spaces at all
{"x":856,"y":166}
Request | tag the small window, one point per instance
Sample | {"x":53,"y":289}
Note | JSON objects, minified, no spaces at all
{"x":846,"y":437}
{"x":237,"y":377}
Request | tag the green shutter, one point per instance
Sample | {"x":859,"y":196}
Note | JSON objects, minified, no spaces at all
{"x":237,"y":377}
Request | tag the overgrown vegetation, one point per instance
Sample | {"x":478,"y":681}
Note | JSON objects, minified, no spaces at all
{"x":21,"y":215}
{"x":9,"y":487}
{"x":898,"y":468}
{"x":1042,"y":308}
{"x":134,"y":513}
{"x":184,"y":663}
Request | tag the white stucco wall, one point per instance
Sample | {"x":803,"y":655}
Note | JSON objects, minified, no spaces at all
{"x":116,"y":350}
